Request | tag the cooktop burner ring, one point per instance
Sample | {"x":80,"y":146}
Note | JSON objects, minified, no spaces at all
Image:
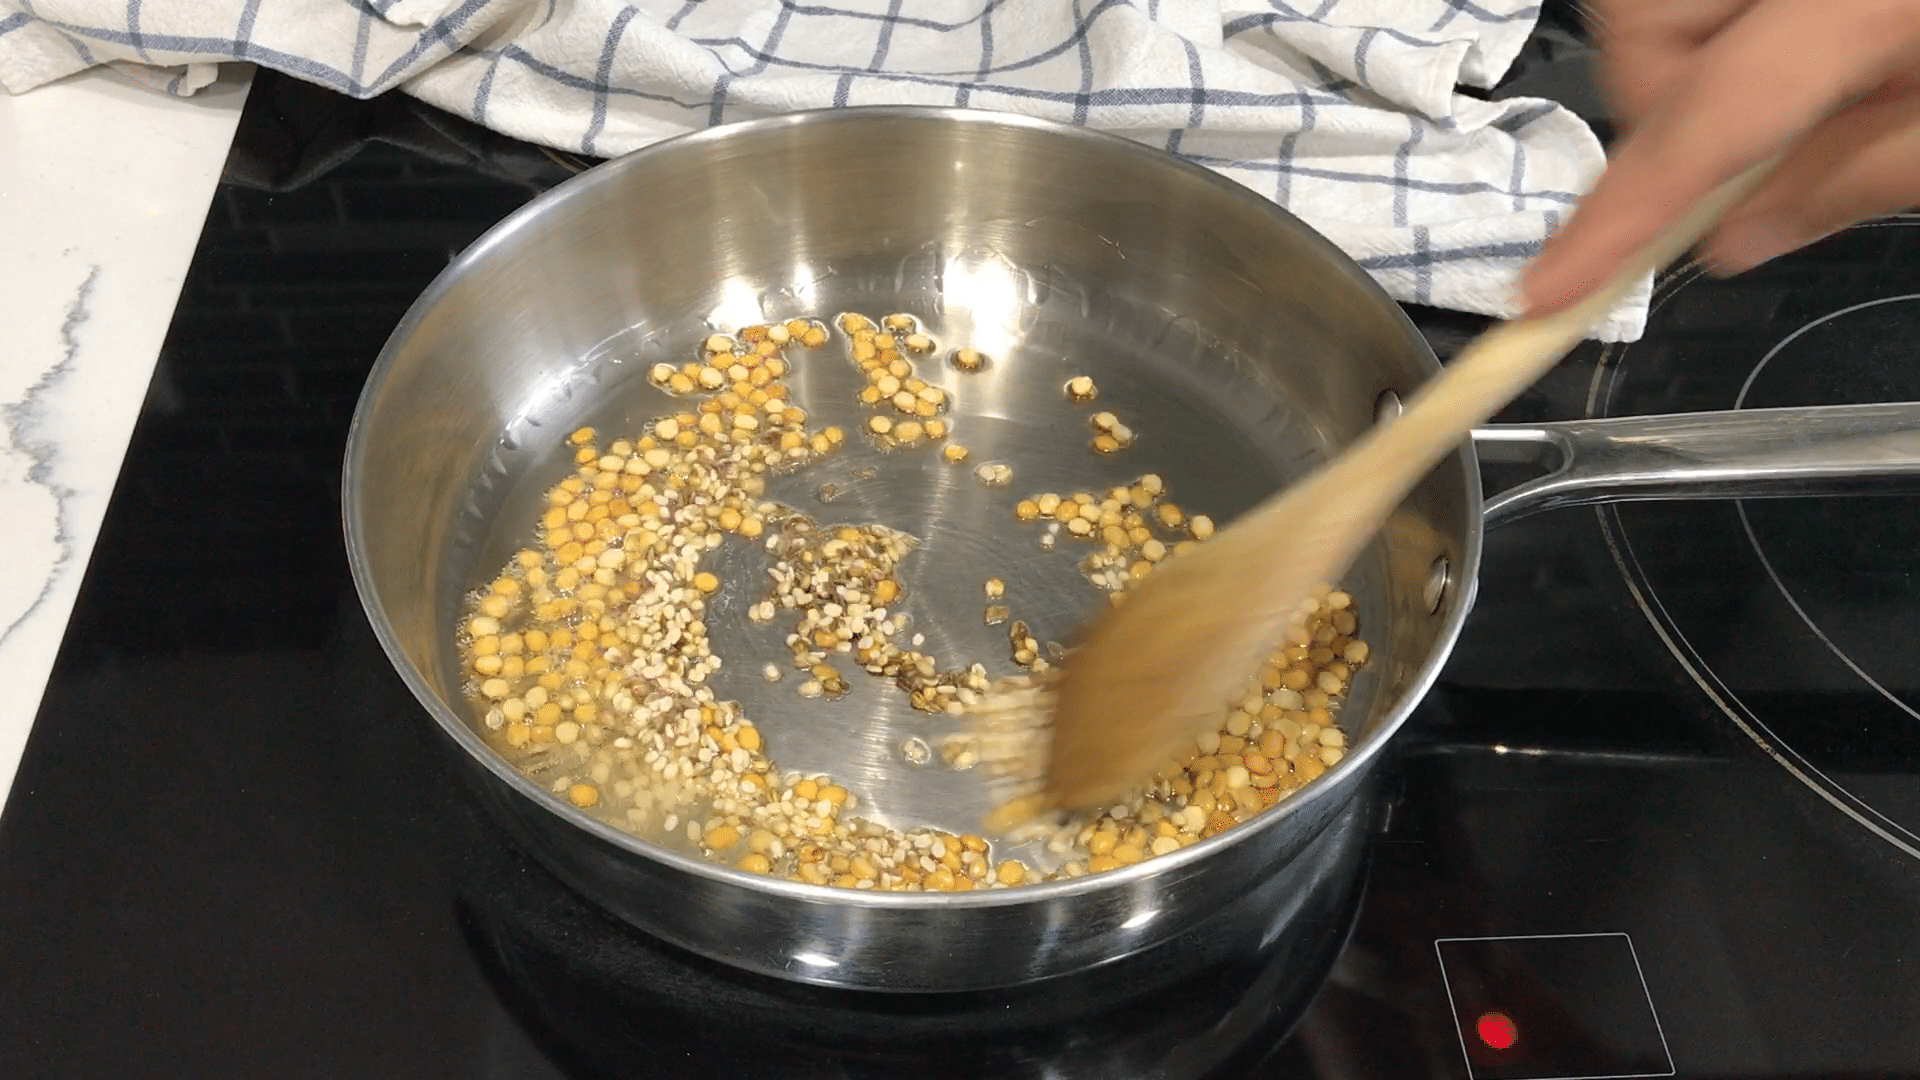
{"x":1604,"y":389}
{"x":1759,"y":549}
{"x":1732,"y":706}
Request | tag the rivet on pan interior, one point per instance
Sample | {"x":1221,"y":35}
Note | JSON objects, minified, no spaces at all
{"x":1439,"y":576}
{"x":1386,"y":406}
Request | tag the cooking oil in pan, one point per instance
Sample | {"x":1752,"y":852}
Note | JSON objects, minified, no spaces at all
{"x":1213,"y":437}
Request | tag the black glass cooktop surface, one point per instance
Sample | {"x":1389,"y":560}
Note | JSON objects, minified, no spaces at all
{"x":1657,"y":818}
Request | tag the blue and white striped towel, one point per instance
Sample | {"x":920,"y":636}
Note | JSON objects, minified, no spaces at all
{"x":1346,"y":112}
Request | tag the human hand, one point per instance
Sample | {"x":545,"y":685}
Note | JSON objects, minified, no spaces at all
{"x":1707,"y":88}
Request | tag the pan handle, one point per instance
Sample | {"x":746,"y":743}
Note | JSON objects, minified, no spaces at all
{"x":1740,"y":454}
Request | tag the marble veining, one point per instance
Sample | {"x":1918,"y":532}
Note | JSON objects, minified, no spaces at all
{"x":104,"y":185}
{"x":32,"y":498}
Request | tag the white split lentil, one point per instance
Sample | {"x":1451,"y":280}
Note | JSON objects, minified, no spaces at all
{"x":994,"y":474}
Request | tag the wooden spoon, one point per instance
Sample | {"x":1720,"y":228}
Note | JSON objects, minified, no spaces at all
{"x":1157,"y":670}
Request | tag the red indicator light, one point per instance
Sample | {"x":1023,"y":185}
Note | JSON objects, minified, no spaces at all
{"x":1497,"y":1031}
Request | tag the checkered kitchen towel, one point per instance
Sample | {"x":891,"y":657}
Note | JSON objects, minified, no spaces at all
{"x":1343,"y":111}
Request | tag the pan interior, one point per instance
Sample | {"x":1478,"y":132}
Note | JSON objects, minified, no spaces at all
{"x":1238,"y":344}
{"x":1216,"y":425}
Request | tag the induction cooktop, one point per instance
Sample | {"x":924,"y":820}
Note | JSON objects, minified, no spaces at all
{"x":1658,"y":817}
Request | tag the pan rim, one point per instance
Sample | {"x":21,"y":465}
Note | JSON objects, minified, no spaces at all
{"x":1465,"y":576}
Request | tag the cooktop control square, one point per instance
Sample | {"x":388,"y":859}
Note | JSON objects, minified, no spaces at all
{"x":1552,"y":1007}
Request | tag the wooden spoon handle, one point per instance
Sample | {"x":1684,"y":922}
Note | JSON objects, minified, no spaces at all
{"x":1379,"y":469}
{"x":1499,"y":365}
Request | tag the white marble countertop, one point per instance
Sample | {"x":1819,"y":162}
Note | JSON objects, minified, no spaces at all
{"x":104,"y":186}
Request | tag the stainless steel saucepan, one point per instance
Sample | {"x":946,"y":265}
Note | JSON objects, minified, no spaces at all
{"x":1238,"y":343}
